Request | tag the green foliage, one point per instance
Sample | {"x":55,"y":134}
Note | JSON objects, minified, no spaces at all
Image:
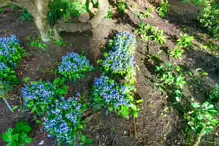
{"x":116,"y":97}
{"x":202,"y":118}
{"x":183,"y":43}
{"x":65,"y":9}
{"x":38,"y":44}
{"x":143,"y":15}
{"x":209,"y":18}
{"x":26,"y":16}
{"x":1,"y":10}
{"x":177,"y":52}
{"x":19,"y":135}
{"x":163,"y":9}
{"x":214,"y":97}
{"x":121,"y":7}
{"x":109,"y":14}
{"x":171,"y":80}
{"x":8,"y":75}
{"x":74,"y":66}
{"x":149,"y":32}
{"x":40,"y":96}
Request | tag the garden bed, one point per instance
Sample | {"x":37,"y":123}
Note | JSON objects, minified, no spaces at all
{"x":158,"y":123}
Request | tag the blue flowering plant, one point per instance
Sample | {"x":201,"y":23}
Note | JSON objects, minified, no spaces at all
{"x":64,"y":121}
{"x":74,"y":66}
{"x":40,"y":96}
{"x":119,"y":60}
{"x":10,"y":51}
{"x":10,"y":56}
{"x":116,"y":97}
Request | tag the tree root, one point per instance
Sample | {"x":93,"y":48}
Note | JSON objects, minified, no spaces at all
{"x":80,"y":27}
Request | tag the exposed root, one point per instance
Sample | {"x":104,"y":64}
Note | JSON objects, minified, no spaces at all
{"x":80,"y":27}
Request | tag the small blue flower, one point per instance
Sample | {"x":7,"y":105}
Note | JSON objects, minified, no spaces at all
{"x":74,"y":66}
{"x":120,"y":58}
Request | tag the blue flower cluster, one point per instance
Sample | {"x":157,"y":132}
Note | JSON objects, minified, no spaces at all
{"x":38,"y":96}
{"x":64,"y":120}
{"x":110,"y":93}
{"x":11,"y":50}
{"x":10,"y":55}
{"x":74,"y":66}
{"x":3,"y":66}
{"x":120,"y":58}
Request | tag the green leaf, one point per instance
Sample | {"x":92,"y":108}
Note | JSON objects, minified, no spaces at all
{"x":83,"y":138}
{"x":57,"y":81}
{"x":89,"y":141}
{"x":29,"y":140}
{"x":11,"y":144}
{"x":15,"y":137}
{"x":5,"y":137}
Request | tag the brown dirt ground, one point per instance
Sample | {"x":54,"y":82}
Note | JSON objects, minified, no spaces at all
{"x":158,"y":124}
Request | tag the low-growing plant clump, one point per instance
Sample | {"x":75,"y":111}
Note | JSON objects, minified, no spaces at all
{"x":74,"y":66}
{"x":118,"y":98}
{"x":119,"y":64}
{"x":11,"y":54}
{"x":163,"y":9}
{"x":19,"y":135}
{"x":120,"y":58}
{"x":62,"y":116}
{"x":149,"y":32}
{"x":171,"y":80}
{"x":183,"y":43}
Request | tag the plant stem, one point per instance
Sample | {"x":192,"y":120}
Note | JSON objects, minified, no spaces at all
{"x":6,"y":102}
{"x":198,"y":139}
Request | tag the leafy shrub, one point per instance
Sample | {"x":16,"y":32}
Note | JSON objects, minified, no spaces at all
{"x":64,"y":120}
{"x":120,"y":59}
{"x":163,"y":9}
{"x":19,"y":135}
{"x":149,"y":32}
{"x":74,"y":66}
{"x":209,"y":18}
{"x":202,"y":119}
{"x":118,"y":98}
{"x":170,"y":81}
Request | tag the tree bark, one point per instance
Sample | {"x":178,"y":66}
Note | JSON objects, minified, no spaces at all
{"x":39,"y":9}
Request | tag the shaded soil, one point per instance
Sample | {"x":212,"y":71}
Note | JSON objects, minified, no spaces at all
{"x":158,"y":123}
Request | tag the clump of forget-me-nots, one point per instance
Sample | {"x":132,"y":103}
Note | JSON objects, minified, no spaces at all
{"x":74,"y":66}
{"x":118,"y":98}
{"x":62,"y":117}
{"x":39,"y":96}
{"x":10,"y":51}
{"x":10,"y":56}
{"x":120,"y":59}
{"x":64,"y":120}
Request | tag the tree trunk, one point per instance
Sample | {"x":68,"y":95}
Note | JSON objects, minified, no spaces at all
{"x":39,"y":9}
